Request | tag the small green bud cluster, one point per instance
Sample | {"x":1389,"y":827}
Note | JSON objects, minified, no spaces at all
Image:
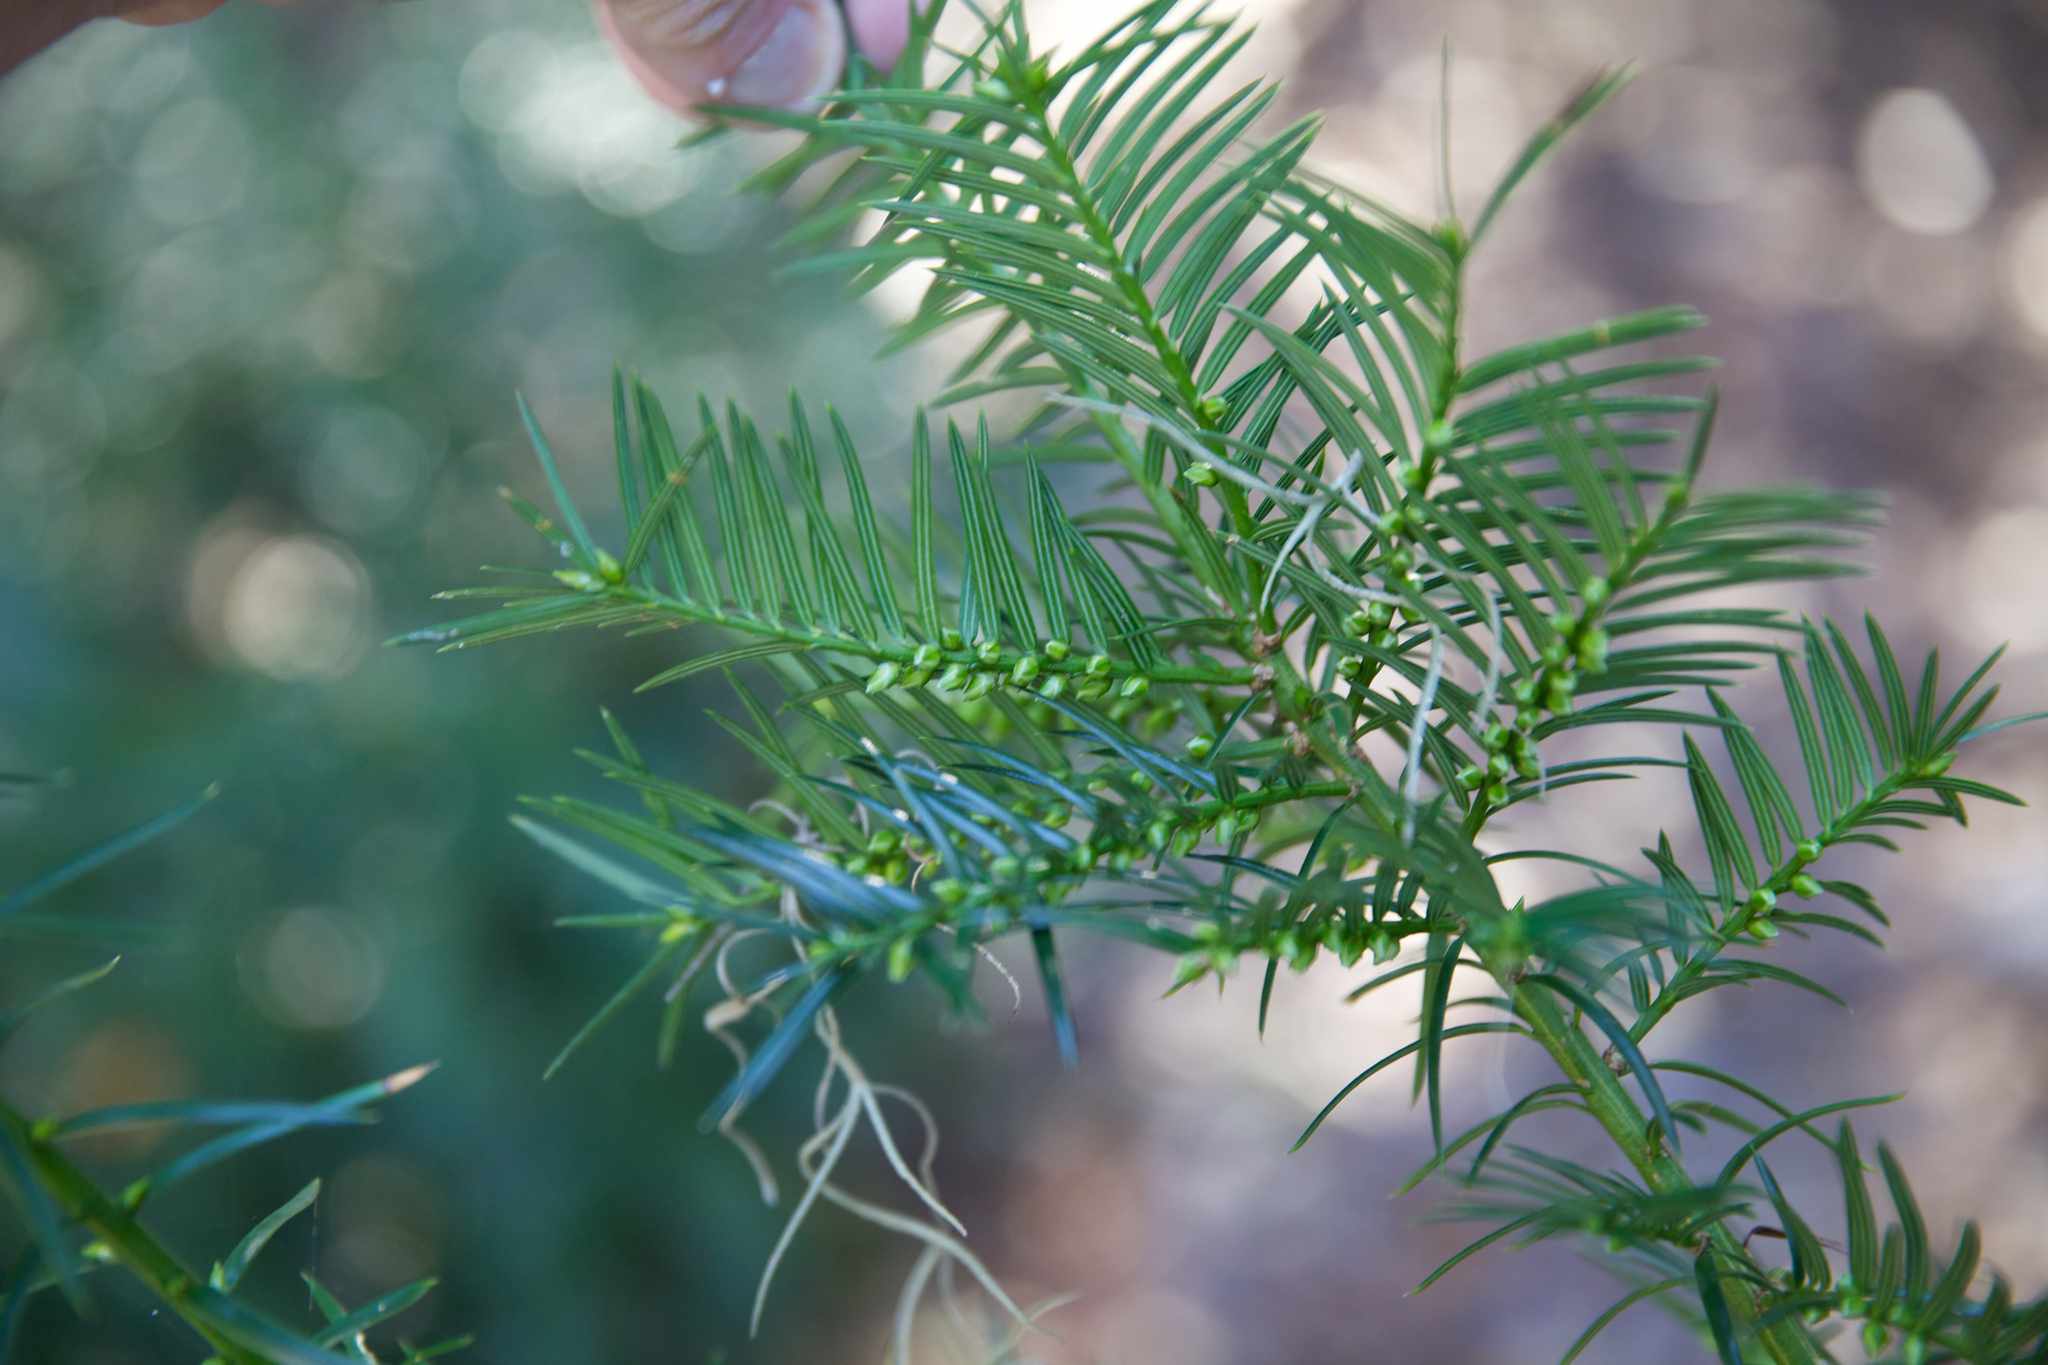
{"x":1757,"y":909}
{"x":1374,"y":623}
{"x":1012,"y":82}
{"x":1756,"y":914}
{"x":1878,"y":1328}
{"x":1510,"y":753}
{"x":1297,"y":944}
{"x":971,"y":673}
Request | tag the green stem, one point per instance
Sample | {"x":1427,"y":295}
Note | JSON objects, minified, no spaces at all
{"x":1632,"y":1133}
{"x":124,"y":1237}
{"x":1099,"y":231}
{"x":1612,"y":1107}
{"x":1074,"y":665}
{"x":1778,"y":883}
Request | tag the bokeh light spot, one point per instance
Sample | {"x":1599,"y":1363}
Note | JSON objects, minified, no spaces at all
{"x":366,"y":468}
{"x":311,"y":968}
{"x":294,"y":607}
{"x":2026,"y":264}
{"x":1921,"y":166}
{"x":193,"y":163}
{"x":1997,"y":579}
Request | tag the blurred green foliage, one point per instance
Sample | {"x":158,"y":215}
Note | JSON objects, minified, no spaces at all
{"x":267,"y":286}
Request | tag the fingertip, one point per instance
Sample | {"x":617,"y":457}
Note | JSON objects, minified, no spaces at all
{"x":797,"y":64}
{"x":881,"y":28}
{"x":687,"y":53}
{"x":170,"y":12}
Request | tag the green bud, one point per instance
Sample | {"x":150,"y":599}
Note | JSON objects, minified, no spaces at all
{"x":1357,"y":623}
{"x":1058,"y":650}
{"x":1593,"y":651}
{"x":883,"y":678}
{"x":608,"y":568}
{"x":1471,"y":777}
{"x":1135,"y":686}
{"x":1875,"y":1335}
{"x":1201,"y":475}
{"x":1054,"y":687}
{"x":925,"y":656}
{"x":1123,"y":708}
{"x":988,"y":653}
{"x":1762,"y":930}
{"x":1350,"y":666}
{"x":1213,"y":409}
{"x":948,"y":890}
{"x":1099,"y":665}
{"x":1761,"y":901}
{"x":1936,"y":766}
{"x":1809,"y":850}
{"x":884,"y":841}
{"x":1805,"y":887}
{"x":1024,"y":670}
{"x":954,"y":678}
{"x":902,"y":953}
{"x":994,"y":88}
{"x":1414,"y":478}
{"x":1596,"y":591}
{"x":1527,"y":768}
{"x":1498,"y":767}
{"x":980,"y":687}
{"x":1157,"y":722}
{"x":1200,"y":746}
{"x":1497,"y":794}
{"x":1005,"y":866}
{"x":1157,"y":833}
{"x":578,"y":579}
{"x":1676,"y":495}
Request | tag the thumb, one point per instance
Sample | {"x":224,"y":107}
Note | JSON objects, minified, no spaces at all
{"x":777,"y":53}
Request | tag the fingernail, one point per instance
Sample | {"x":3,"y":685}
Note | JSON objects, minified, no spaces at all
{"x":881,"y":28}
{"x":799,"y":62}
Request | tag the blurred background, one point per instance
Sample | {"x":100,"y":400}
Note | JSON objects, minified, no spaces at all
{"x":267,"y":284}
